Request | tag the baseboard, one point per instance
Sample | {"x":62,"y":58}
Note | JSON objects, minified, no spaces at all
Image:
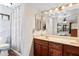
{"x":13,"y":52}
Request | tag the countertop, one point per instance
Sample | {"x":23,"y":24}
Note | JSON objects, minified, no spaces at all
{"x":74,"y":41}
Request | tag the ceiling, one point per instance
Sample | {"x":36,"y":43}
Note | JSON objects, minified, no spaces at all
{"x":45,"y":6}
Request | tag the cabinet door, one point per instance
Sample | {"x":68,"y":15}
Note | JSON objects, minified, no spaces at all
{"x":55,"y":49}
{"x":71,"y":50}
{"x":37,"y":49}
{"x":50,"y":51}
{"x":54,"y":52}
{"x":57,"y":52}
{"x":44,"y":48}
{"x":44,"y":51}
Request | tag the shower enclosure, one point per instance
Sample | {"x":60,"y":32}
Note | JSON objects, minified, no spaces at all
{"x":10,"y":28}
{"x":4,"y":32}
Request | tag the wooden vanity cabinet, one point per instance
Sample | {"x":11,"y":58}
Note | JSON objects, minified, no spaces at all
{"x":46,"y":48}
{"x":71,"y":50}
{"x":55,"y":49}
{"x":40,"y":47}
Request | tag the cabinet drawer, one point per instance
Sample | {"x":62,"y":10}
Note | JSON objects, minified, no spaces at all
{"x":55,"y":45}
{"x":38,"y":41}
{"x":44,"y":43}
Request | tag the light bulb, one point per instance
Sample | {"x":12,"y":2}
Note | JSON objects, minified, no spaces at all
{"x":62,"y":7}
{"x":56,"y":9}
{"x":70,"y":5}
{"x":50,"y":11}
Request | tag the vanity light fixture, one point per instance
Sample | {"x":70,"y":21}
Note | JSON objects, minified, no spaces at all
{"x":56,"y":9}
{"x":50,"y":10}
{"x":63,"y":7}
{"x":70,"y":5}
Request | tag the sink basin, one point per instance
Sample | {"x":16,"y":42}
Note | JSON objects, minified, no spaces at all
{"x":5,"y":46}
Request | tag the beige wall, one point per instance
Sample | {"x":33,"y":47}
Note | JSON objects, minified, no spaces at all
{"x":27,"y":28}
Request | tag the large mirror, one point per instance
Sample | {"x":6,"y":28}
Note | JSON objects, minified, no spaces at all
{"x":63,"y":24}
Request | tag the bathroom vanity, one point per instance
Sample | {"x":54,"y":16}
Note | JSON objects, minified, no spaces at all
{"x":62,"y":33}
{"x":56,"y":46}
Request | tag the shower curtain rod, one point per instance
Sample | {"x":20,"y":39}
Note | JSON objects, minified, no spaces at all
{"x":4,"y":14}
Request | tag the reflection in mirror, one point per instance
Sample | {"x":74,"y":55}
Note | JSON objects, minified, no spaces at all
{"x":67,"y":26}
{"x":37,"y":22}
{"x":63,"y":23}
{"x":40,"y":23}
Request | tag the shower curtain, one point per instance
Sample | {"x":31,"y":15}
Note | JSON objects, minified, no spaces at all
{"x":16,"y":29}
